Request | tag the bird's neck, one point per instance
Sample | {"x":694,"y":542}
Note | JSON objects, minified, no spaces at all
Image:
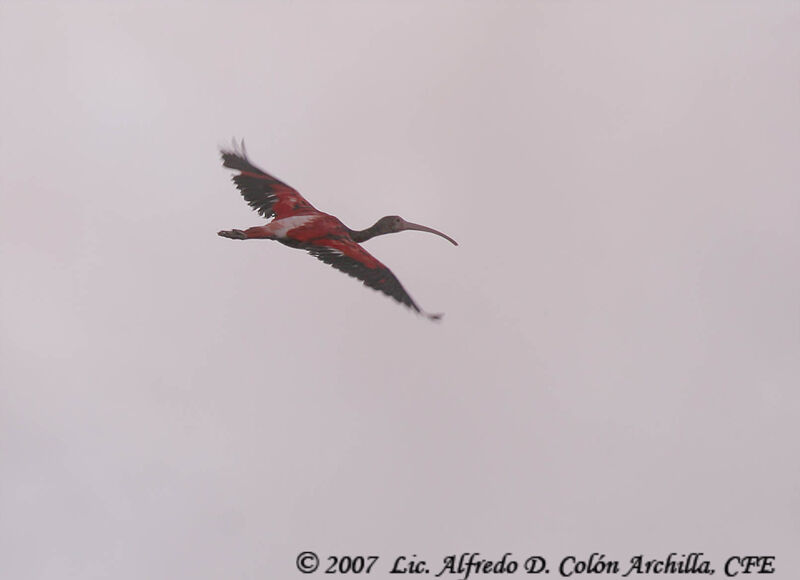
{"x":359,"y":236}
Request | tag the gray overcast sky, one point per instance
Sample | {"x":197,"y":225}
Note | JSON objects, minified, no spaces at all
{"x":618,"y":367}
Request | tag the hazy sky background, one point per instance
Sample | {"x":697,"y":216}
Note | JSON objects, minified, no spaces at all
{"x":618,"y":367}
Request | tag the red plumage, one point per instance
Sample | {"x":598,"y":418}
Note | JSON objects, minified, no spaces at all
{"x":299,"y":224}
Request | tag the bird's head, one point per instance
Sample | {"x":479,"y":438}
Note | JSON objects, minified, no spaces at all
{"x":394,"y":223}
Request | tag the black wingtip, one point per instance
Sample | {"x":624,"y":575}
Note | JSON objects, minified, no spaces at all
{"x":233,"y":149}
{"x":236,"y":156}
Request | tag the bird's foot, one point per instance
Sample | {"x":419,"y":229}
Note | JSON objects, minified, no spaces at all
{"x":233,"y":234}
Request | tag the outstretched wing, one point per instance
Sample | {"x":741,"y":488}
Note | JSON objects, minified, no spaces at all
{"x":265,"y":194}
{"x":349,"y":257}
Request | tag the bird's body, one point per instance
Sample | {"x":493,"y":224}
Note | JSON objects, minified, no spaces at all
{"x":298,"y":224}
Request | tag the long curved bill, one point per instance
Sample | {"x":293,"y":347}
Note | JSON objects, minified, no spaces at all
{"x":411,"y":226}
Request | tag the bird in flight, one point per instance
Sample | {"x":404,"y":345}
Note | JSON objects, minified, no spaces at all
{"x":298,"y":224}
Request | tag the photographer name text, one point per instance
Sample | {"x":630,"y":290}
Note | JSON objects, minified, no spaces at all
{"x":473,"y":564}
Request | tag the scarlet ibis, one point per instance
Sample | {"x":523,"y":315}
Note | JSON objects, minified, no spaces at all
{"x":298,"y":224}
